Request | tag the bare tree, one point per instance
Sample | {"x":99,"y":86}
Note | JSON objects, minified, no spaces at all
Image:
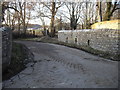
{"x":74,"y":13}
{"x":80,"y":13}
{"x":10,"y":16}
{"x":53,"y":8}
{"x":110,"y":9}
{"x":106,"y":9}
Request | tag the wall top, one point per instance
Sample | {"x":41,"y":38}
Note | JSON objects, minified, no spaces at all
{"x":89,"y":30}
{"x":5,"y":29}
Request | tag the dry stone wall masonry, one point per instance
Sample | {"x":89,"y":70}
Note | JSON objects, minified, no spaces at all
{"x":0,"y":60}
{"x":6,"y":41}
{"x":0,"y":47}
{"x":101,"y":39}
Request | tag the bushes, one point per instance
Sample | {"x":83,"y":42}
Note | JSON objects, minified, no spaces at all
{"x":22,"y":35}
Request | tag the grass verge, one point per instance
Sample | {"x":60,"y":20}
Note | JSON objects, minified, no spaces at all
{"x":88,"y":49}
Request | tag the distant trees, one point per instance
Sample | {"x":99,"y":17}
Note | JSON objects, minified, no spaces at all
{"x":24,"y":15}
{"x":20,"y":16}
{"x":41,"y":15}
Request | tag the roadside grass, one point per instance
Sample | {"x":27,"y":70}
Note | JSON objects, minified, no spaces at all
{"x":88,"y":49}
{"x":18,"y":59}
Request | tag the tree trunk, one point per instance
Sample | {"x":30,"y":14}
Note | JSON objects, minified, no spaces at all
{"x":18,"y":25}
{"x":99,"y":11}
{"x":52,"y":29}
{"x":73,"y":23}
{"x":60,"y":23}
{"x":24,"y":21}
{"x":73,"y":20}
{"x":86,"y":16}
{"x":108,"y":12}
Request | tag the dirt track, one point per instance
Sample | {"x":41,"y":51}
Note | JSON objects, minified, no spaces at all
{"x":59,"y":66}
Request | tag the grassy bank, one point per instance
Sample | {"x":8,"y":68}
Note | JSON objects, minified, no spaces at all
{"x":88,"y":49}
{"x":18,"y":60}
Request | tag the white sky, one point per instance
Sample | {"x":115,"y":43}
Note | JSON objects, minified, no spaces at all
{"x":38,"y":21}
{"x":47,"y":20}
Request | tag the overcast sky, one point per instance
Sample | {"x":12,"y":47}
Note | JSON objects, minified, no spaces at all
{"x":47,"y":20}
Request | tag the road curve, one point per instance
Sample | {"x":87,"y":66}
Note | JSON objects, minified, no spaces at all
{"x":58,"y":66}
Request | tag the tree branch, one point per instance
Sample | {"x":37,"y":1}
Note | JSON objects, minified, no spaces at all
{"x":68,"y":9}
{"x":46,"y":6}
{"x":58,"y":7}
{"x":12,"y":8}
{"x":116,"y":9}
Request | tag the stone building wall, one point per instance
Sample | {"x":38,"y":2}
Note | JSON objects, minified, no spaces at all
{"x":6,"y":41}
{"x":101,"y":39}
{"x":112,"y":24}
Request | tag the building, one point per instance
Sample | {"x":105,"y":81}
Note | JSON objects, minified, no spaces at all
{"x":35,"y":30}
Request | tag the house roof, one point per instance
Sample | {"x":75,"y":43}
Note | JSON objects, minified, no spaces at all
{"x":34,"y":27}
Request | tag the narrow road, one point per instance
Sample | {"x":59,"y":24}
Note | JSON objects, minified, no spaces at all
{"x":59,"y":66}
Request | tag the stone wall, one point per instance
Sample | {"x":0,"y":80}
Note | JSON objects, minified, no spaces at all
{"x":0,"y":36}
{"x":112,"y":24}
{"x":102,"y":39}
{"x":6,"y":41}
{"x":0,"y":60}
{"x":0,"y":14}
